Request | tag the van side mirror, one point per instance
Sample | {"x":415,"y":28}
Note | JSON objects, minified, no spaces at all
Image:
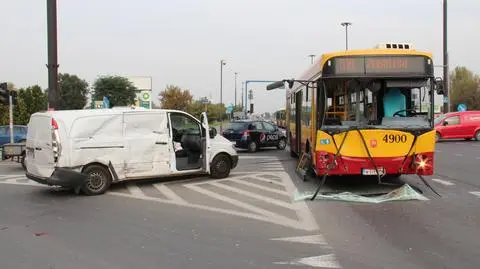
{"x":445,"y":123}
{"x":212,"y":132}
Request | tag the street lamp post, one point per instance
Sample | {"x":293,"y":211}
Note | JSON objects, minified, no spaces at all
{"x":236,"y":88}
{"x":312,"y":57}
{"x":52,"y":65}
{"x":346,"y":24}
{"x":446,"y":88}
{"x":222,"y":63}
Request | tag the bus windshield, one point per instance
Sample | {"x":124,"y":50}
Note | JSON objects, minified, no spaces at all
{"x":377,"y":104}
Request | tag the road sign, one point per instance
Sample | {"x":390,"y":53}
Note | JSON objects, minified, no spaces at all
{"x":462,"y":107}
{"x":106,"y":102}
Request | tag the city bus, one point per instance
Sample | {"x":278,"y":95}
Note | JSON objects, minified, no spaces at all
{"x":280,"y":119}
{"x":353,"y":112}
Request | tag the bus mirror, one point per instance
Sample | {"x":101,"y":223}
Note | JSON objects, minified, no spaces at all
{"x":439,"y":86}
{"x":275,"y":85}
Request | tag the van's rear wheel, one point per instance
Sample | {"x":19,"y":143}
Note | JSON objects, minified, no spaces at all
{"x":98,"y":180}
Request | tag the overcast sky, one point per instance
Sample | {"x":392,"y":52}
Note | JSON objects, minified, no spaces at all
{"x":181,"y":42}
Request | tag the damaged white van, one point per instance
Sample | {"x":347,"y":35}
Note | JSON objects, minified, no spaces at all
{"x":88,"y":150}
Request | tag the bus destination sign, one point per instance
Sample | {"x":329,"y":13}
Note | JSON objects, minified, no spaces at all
{"x":379,"y":65}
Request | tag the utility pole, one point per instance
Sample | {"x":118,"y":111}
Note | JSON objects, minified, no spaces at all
{"x":346,"y":24}
{"x":446,"y":79}
{"x":241,"y":99}
{"x":236,"y":88}
{"x":222,"y":63}
{"x":10,"y":112}
{"x":52,"y":65}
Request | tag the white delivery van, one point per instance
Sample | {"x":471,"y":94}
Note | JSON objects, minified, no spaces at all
{"x":90,"y":149}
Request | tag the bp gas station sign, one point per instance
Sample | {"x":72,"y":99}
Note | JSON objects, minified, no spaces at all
{"x":145,"y":99}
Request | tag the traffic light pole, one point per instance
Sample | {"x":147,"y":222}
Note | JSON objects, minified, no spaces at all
{"x":10,"y":108}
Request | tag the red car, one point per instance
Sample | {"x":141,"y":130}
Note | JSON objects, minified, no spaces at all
{"x":455,"y":125}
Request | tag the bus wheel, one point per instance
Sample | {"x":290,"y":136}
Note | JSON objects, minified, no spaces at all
{"x":477,"y":135}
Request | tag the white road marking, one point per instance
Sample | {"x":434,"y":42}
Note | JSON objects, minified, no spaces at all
{"x":304,"y":220}
{"x":221,"y":210}
{"x":268,"y":180}
{"x":437,"y":150}
{"x":255,"y":196}
{"x":241,"y":204}
{"x":135,"y":190}
{"x":458,"y":154}
{"x":443,"y":182}
{"x":308,"y":239}
{"x":476,"y":193}
{"x":247,"y":157}
{"x":323,"y":261}
{"x":303,"y":213}
{"x":247,"y":183}
{"x":169,"y":193}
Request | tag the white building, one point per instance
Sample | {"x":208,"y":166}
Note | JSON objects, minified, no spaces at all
{"x":144,"y":90}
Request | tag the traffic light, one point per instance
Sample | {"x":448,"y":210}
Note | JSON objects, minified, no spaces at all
{"x":4,"y":93}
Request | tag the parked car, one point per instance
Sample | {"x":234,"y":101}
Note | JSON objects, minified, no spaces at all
{"x":19,"y":134}
{"x":255,"y":134}
{"x":88,"y":150}
{"x":458,"y":125}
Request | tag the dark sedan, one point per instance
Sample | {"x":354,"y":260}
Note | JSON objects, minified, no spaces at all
{"x":254,"y":134}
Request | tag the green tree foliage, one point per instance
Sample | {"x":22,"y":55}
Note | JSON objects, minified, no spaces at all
{"x":464,"y":87}
{"x":73,"y":92}
{"x":29,"y":101}
{"x":119,"y":90}
{"x":173,"y":97}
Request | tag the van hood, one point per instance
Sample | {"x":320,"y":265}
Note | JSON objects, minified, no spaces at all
{"x":220,"y":140}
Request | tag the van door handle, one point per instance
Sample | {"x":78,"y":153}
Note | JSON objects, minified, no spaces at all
{"x":161,"y":143}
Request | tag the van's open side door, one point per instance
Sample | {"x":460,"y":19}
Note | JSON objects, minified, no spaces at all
{"x":206,"y":143}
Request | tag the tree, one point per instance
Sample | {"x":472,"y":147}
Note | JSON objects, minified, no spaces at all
{"x":119,"y":90}
{"x":464,"y":86}
{"x":73,"y":92}
{"x":29,"y":101}
{"x":174,"y":97}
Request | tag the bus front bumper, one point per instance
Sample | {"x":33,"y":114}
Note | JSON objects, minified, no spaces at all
{"x":420,"y":163}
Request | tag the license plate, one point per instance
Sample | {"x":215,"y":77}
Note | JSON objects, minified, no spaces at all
{"x":373,"y":172}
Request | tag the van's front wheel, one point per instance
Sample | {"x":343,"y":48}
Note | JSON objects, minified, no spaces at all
{"x":98,"y":180}
{"x":221,"y":166}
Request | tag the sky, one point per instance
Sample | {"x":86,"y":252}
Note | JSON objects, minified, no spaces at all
{"x":181,"y":42}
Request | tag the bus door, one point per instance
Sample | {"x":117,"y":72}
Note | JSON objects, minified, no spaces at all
{"x":298,"y":121}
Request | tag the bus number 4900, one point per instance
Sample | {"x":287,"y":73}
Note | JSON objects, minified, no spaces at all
{"x":395,"y":138}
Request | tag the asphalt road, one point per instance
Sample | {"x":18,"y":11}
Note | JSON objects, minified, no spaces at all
{"x":246,"y":221}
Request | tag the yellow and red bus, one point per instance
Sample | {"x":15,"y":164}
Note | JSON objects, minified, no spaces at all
{"x":280,"y":119}
{"x":354,"y":112}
